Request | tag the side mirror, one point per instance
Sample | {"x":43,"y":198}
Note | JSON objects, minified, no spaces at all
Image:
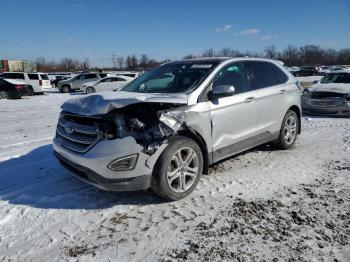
{"x":221,"y":91}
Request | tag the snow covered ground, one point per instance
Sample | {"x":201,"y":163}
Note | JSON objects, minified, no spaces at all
{"x":263,"y":204}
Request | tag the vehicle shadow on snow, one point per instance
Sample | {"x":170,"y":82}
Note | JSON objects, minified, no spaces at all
{"x":37,"y":179}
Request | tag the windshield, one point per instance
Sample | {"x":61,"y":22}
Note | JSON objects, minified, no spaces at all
{"x":177,"y":77}
{"x":336,"y":78}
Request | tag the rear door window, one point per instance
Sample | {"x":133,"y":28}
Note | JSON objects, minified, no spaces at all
{"x":33,"y":76}
{"x":266,"y":74}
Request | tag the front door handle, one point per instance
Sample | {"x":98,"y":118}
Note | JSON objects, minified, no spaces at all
{"x":283,"y":91}
{"x":249,"y":99}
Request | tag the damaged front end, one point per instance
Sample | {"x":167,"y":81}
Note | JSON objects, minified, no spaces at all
{"x":150,"y":124}
{"x":117,"y":150}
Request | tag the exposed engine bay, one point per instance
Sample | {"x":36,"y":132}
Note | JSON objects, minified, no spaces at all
{"x":148,"y":123}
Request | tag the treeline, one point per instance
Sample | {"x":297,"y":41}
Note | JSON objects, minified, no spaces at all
{"x":130,"y":62}
{"x":291,"y":56}
{"x":65,"y":64}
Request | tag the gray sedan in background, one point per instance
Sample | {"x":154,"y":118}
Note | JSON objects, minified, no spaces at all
{"x":329,"y":96}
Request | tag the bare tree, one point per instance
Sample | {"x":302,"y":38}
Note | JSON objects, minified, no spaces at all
{"x":208,"y":52}
{"x":120,"y":62}
{"x":271,"y":52}
{"x":226,"y":52}
{"x":144,"y":61}
{"x":189,"y":56}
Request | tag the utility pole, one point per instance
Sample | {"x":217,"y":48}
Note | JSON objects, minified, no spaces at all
{"x":114,"y":60}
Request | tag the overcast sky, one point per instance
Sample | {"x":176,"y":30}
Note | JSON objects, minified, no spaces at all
{"x":166,"y":29}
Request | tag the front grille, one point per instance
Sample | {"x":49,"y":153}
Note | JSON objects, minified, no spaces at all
{"x":324,"y":103}
{"x":321,"y":95}
{"x":77,"y":133}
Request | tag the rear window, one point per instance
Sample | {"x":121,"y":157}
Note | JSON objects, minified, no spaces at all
{"x":33,"y":76}
{"x":44,"y":77}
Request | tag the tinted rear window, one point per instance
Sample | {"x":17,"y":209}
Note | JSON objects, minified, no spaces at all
{"x":33,"y":76}
{"x":44,"y":77}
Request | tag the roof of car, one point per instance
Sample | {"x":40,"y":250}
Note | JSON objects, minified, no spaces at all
{"x":340,"y":72}
{"x":222,"y":59}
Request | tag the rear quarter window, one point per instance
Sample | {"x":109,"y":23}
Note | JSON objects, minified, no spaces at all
{"x":33,"y":76}
{"x":44,"y":77}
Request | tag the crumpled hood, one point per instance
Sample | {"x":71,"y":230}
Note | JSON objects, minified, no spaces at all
{"x":332,"y":87}
{"x":103,"y":103}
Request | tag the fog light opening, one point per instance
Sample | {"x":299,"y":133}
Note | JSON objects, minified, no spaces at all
{"x":123,"y":163}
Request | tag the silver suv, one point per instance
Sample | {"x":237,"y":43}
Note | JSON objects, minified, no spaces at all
{"x":74,"y":83}
{"x":164,"y":129}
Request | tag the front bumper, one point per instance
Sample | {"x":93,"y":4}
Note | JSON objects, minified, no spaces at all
{"x":337,"y":108}
{"x":91,"y":177}
{"x":91,"y":166}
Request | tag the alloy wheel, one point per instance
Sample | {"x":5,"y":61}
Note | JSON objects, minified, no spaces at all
{"x":4,"y":95}
{"x":183,"y":169}
{"x":290,"y":130}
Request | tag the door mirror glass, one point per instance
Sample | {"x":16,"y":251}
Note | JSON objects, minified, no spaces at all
{"x":222,"y":91}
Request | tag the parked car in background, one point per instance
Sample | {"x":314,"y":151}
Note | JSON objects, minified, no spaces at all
{"x":323,"y":70}
{"x":109,"y":83}
{"x":329,"y":96}
{"x":127,"y":73}
{"x":306,"y":71}
{"x":36,"y":83}
{"x":10,"y":88}
{"x":293,"y":69}
{"x":74,"y":83}
{"x":163,"y":129}
{"x":59,"y":78}
{"x":338,"y":68}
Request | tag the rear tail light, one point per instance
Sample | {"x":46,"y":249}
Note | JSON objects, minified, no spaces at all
{"x":19,"y":86}
{"x":40,"y":82}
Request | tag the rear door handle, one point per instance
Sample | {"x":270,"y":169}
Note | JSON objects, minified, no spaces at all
{"x":283,"y":91}
{"x":249,"y":99}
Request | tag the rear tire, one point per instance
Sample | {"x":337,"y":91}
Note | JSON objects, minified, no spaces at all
{"x":90,"y":90}
{"x":4,"y":95}
{"x":289,"y":130}
{"x":66,"y":89}
{"x":178,"y":169}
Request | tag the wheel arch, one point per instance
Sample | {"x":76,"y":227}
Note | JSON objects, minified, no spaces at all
{"x":190,"y":133}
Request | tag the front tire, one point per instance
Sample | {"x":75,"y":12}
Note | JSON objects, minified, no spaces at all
{"x":90,"y":90}
{"x":66,"y":89}
{"x":289,"y":130}
{"x":178,"y":169}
